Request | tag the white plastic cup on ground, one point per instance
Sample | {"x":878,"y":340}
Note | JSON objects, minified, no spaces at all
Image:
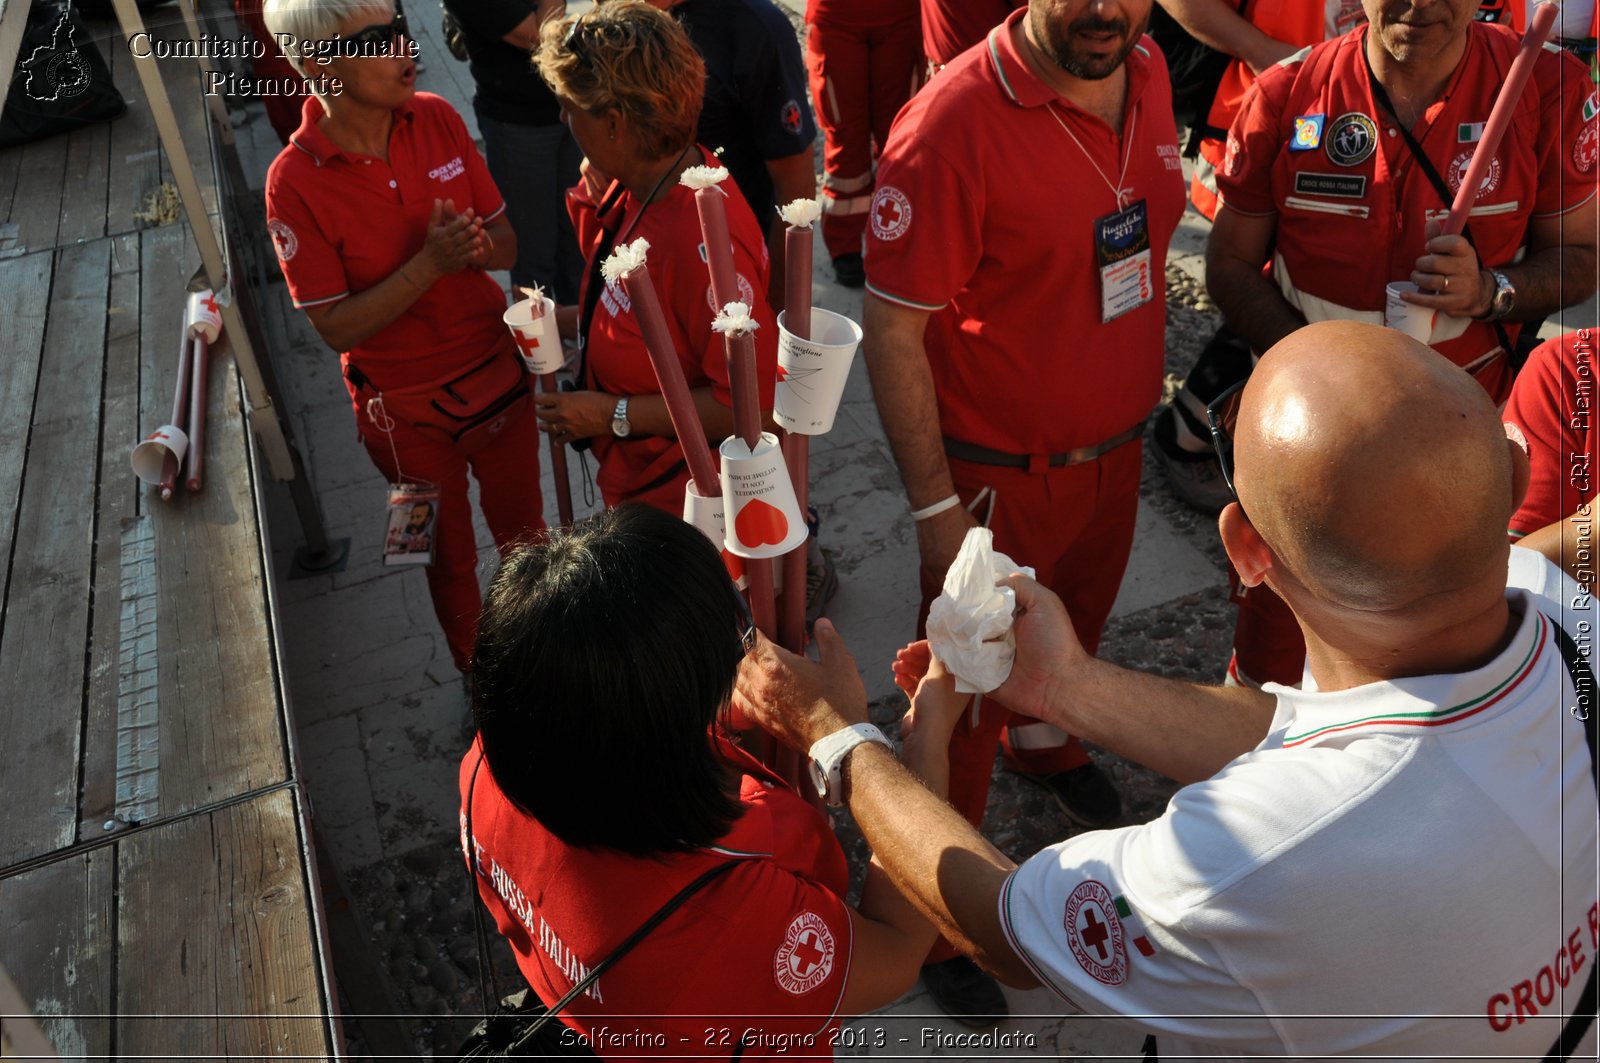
{"x":537,"y":339}
{"x":706,"y":514}
{"x":150,"y":455}
{"x":201,"y":316}
{"x":763,"y":517}
{"x":812,"y":373}
{"x":1415,"y":321}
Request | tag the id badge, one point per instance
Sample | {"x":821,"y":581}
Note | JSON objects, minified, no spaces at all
{"x":1122,"y":251}
{"x":413,"y":520}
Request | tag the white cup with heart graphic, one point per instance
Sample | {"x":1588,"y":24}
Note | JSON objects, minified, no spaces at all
{"x":535,"y":333}
{"x":812,"y":373}
{"x":150,"y":455}
{"x":763,"y":518}
{"x":706,"y":514}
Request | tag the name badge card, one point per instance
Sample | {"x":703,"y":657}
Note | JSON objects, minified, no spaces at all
{"x":1122,"y":251}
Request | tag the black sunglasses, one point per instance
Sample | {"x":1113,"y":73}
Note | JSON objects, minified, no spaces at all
{"x":1217,"y":416}
{"x":574,"y":40}
{"x":371,"y":40}
{"x":747,"y":622}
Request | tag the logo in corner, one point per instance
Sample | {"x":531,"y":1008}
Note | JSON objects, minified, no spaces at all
{"x":790,"y":116}
{"x":805,"y":959}
{"x":284,"y":240}
{"x":56,"y":71}
{"x":1094,"y":933}
{"x":891,"y":213}
{"x":1351,"y":139}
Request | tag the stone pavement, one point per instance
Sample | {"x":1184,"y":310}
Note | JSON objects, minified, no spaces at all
{"x":379,"y":705}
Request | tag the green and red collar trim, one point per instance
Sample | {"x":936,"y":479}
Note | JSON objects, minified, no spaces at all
{"x":1445,"y":716}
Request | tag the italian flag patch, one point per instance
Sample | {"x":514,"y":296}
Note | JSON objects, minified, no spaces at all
{"x":1131,"y":921}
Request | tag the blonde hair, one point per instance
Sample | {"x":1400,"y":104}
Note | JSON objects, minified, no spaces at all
{"x":300,"y":25}
{"x":627,"y":55}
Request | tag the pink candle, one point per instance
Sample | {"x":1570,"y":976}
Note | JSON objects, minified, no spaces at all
{"x":170,"y":467}
{"x":1544,"y":18}
{"x":797,"y":280}
{"x":708,"y":202}
{"x":197,"y":415}
{"x":669,"y":373}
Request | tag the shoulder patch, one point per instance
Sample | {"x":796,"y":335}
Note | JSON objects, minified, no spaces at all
{"x":1094,"y":933}
{"x":804,"y":959}
{"x":891,"y":213}
{"x":284,"y":240}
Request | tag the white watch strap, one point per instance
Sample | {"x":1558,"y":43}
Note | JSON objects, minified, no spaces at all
{"x":827,"y":755}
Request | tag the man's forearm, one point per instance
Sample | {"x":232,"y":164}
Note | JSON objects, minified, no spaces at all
{"x":1217,"y":24}
{"x":1252,"y":305}
{"x":1185,"y":731}
{"x":902,"y":386}
{"x":1548,"y":280}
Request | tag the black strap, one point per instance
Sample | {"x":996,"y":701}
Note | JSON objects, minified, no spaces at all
{"x":1583,"y":686}
{"x":633,"y":939}
{"x":1425,"y":164}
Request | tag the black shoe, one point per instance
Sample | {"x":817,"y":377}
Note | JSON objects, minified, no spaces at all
{"x":1085,"y":795}
{"x":849,"y":270}
{"x":965,"y":993}
{"x":1195,"y":476}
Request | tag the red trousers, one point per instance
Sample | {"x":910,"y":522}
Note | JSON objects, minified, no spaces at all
{"x":1074,"y":525}
{"x":1267,"y":644}
{"x":507,"y":471}
{"x":860,"y":77}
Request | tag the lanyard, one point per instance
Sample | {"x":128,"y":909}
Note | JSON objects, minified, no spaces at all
{"x":1127,"y":151}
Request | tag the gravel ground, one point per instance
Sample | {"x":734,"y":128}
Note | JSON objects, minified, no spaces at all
{"x":421,"y":924}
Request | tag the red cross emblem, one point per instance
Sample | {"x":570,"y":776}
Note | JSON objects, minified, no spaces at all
{"x":1094,"y":934}
{"x":210,"y":303}
{"x":805,"y":958}
{"x":888,"y":214}
{"x":891,"y":213}
{"x":526,"y":344}
{"x":807,"y":955}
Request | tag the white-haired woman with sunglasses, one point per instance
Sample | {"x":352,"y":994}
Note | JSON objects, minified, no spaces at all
{"x":385,"y":218}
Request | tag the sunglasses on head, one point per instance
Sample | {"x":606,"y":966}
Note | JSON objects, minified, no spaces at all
{"x":576,"y":40}
{"x":1222,"y":413}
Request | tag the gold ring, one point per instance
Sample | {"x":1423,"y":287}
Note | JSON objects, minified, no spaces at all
{"x":1447,"y":284}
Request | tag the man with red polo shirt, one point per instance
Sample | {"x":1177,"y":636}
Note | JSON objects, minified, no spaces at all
{"x":1324,"y":157}
{"x":1015,"y":320}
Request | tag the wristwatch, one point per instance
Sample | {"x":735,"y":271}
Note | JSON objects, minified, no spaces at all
{"x":827,"y":759}
{"x":619,"y":419}
{"x":1504,"y":297}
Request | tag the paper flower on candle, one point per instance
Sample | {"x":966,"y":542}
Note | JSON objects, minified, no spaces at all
{"x":801,"y":213}
{"x":624,"y":259}
{"x":735,"y":318}
{"x":698,"y":177}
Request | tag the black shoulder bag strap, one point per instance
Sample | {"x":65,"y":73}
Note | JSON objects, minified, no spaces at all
{"x":633,"y":939}
{"x":1425,"y":164}
{"x":1584,"y":686}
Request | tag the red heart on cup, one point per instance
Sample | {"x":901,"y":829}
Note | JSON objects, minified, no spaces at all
{"x":760,"y":524}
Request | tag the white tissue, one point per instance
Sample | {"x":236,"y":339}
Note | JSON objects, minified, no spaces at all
{"x":735,"y":317}
{"x":969,"y":624}
{"x":698,"y":177}
{"x":625,"y":259}
{"x":801,"y":213}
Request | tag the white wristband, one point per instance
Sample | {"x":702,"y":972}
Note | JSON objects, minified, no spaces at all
{"x":920,"y":515}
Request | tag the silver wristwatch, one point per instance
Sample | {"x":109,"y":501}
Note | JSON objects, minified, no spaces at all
{"x":1504,"y":297}
{"x":827,"y":759}
{"x":619,"y":419}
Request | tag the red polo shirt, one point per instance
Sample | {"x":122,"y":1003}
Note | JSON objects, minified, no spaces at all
{"x":1552,"y":405}
{"x":985,"y":216}
{"x":617,"y":361}
{"x":1360,"y":179}
{"x":765,"y":949}
{"x":343,"y":222}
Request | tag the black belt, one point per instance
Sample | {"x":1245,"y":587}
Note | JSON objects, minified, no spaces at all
{"x":1037,"y":463}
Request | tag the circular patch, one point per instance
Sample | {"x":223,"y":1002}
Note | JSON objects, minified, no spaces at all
{"x":805,"y":959}
{"x":1458,"y":170}
{"x":69,"y":74}
{"x":284,"y":240}
{"x":1232,"y":157}
{"x":891,"y":213}
{"x":747,"y":295}
{"x":1514,"y":433}
{"x":791,"y":118}
{"x":1351,"y":139}
{"x":1094,"y":933}
{"x":1586,"y":149}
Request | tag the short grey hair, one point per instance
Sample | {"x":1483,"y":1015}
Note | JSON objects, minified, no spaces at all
{"x":298,"y":25}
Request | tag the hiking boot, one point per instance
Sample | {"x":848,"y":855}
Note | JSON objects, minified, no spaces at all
{"x":965,"y":993}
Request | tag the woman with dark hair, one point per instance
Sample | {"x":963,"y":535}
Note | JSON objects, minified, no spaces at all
{"x":630,"y":86}
{"x":601,"y":783}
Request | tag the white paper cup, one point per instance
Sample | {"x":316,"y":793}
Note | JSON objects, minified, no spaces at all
{"x":706,"y":514}
{"x":201,"y":316}
{"x":149,"y":456}
{"x":763,"y":518}
{"x":812,"y":373}
{"x":537,"y":338}
{"x":1415,"y":321}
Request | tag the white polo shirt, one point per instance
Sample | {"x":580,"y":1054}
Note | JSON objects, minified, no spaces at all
{"x":1403,"y":869}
